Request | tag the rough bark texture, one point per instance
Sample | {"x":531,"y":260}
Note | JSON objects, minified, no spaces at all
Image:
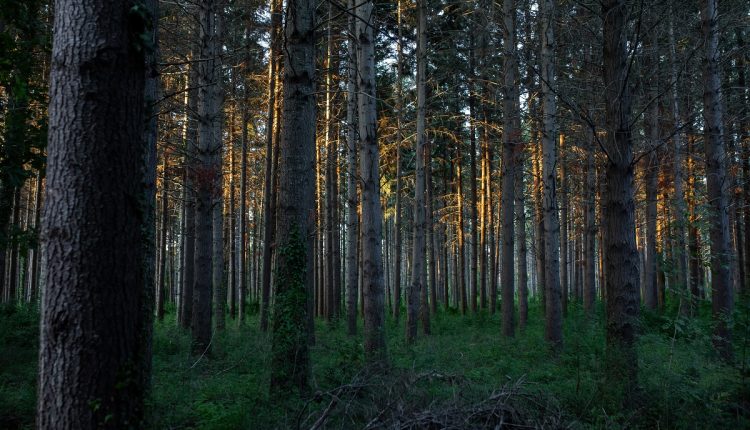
{"x":207,"y":174}
{"x":293,"y":280}
{"x":553,"y":326}
{"x":372,"y":216}
{"x":511,"y":136}
{"x":352,"y":215}
{"x":621,"y":254}
{"x":90,"y":368}
{"x":716,"y":182}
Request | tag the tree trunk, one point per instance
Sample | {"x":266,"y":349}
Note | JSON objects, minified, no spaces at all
{"x":352,"y":216}
{"x":716,"y":174}
{"x":680,"y":218}
{"x":269,"y":197}
{"x":399,"y":140}
{"x":372,"y":216}
{"x":92,"y":310}
{"x":511,"y":138}
{"x":565,"y":263}
{"x":290,"y":360}
{"x":589,"y":220}
{"x":207,"y":173}
{"x":621,"y":254}
{"x":553,"y":326}
{"x":191,"y":143}
{"x":418,"y":273}
{"x":162,"y":285}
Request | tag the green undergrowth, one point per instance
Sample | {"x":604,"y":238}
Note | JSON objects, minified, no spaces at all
{"x":682,"y":382}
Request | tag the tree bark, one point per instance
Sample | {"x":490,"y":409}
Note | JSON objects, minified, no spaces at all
{"x":511,"y":139}
{"x":352,"y":216}
{"x":372,"y":217}
{"x":293,"y":283}
{"x":716,"y":174}
{"x":418,"y":273}
{"x":621,"y":255}
{"x":553,"y":326}
{"x":92,"y":309}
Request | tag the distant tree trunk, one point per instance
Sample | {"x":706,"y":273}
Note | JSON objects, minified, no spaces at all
{"x":418,"y":273}
{"x":231,"y":221}
{"x":745,"y":139}
{"x":589,"y":220}
{"x":236,"y":301}
{"x":680,"y":221}
{"x":330,"y":199}
{"x":293,"y":281}
{"x":399,"y":140}
{"x":191,"y":144}
{"x":473,"y":213}
{"x":269,"y":193}
{"x":621,"y":254}
{"x":520,"y":208}
{"x":36,"y":254}
{"x":651,"y":174}
{"x":92,"y":310}
{"x":565,"y":263}
{"x":430,"y":226}
{"x":553,"y":327}
{"x":461,"y":297}
{"x":539,"y":228}
{"x":511,"y":138}
{"x":372,"y":217}
{"x":352,"y":216}
{"x":162,"y":285}
{"x":716,"y":173}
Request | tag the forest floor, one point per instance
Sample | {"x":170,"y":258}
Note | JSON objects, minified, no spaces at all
{"x":464,"y":375}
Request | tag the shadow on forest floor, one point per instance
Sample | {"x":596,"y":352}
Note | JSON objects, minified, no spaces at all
{"x":465,"y":375}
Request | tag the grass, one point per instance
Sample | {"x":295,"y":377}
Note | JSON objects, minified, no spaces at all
{"x":682,"y":382}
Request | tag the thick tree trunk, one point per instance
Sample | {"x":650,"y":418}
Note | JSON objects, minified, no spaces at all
{"x":92,"y":309}
{"x":716,"y":174}
{"x":293,"y":283}
{"x":621,"y":255}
